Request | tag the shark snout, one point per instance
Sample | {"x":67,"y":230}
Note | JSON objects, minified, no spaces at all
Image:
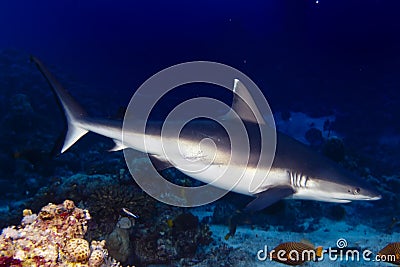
{"x":374,"y":196}
{"x":346,"y":191}
{"x":371,"y":193}
{"x":366,"y":193}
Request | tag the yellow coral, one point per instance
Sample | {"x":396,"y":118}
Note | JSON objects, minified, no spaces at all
{"x":77,"y":250}
{"x":26,"y":212}
{"x":99,"y":253}
{"x":48,"y":212}
{"x":96,"y":258}
{"x":69,"y":205}
{"x":97,"y":244}
{"x":53,"y":239}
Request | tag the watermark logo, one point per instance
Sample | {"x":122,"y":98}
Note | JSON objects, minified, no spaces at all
{"x":341,"y":243}
{"x":202,"y":158}
{"x":302,"y":254}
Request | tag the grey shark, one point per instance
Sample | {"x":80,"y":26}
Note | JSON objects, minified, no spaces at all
{"x":297,"y":171}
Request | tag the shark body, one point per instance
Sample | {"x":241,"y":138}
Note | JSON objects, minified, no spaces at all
{"x":297,"y":171}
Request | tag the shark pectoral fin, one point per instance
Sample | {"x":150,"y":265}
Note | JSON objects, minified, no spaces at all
{"x":269,"y":197}
{"x":159,"y":163}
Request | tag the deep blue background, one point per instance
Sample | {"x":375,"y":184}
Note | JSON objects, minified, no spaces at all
{"x":343,"y":53}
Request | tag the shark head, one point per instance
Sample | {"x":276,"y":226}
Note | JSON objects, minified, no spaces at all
{"x":329,"y":184}
{"x":315,"y":177}
{"x":338,"y":187}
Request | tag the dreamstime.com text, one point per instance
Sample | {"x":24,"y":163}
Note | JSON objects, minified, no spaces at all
{"x":340,"y":253}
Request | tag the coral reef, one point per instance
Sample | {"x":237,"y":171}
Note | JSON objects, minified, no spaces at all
{"x":152,"y":240}
{"x":108,"y":201}
{"x":175,"y":236}
{"x":104,"y":195}
{"x":54,"y":237}
{"x":118,"y":241}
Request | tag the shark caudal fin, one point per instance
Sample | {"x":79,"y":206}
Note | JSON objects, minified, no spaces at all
{"x":74,"y":113}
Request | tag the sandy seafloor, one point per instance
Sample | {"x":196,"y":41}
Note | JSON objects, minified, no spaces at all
{"x":250,"y":240}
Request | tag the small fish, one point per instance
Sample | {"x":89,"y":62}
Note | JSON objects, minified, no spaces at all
{"x":129,"y":213}
{"x":295,"y":253}
{"x":233,"y":222}
{"x":390,"y":253}
{"x":170,"y":223}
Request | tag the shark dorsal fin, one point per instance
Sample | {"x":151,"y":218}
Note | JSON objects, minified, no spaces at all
{"x":243,"y":105}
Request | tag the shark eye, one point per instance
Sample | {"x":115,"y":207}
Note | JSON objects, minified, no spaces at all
{"x":356,"y":191}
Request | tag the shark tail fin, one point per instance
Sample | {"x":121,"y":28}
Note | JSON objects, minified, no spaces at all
{"x":74,"y":113}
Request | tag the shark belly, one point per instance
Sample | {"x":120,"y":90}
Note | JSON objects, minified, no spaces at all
{"x":238,"y":179}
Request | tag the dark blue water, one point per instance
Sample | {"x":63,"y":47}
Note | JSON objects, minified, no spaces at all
{"x":328,"y":52}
